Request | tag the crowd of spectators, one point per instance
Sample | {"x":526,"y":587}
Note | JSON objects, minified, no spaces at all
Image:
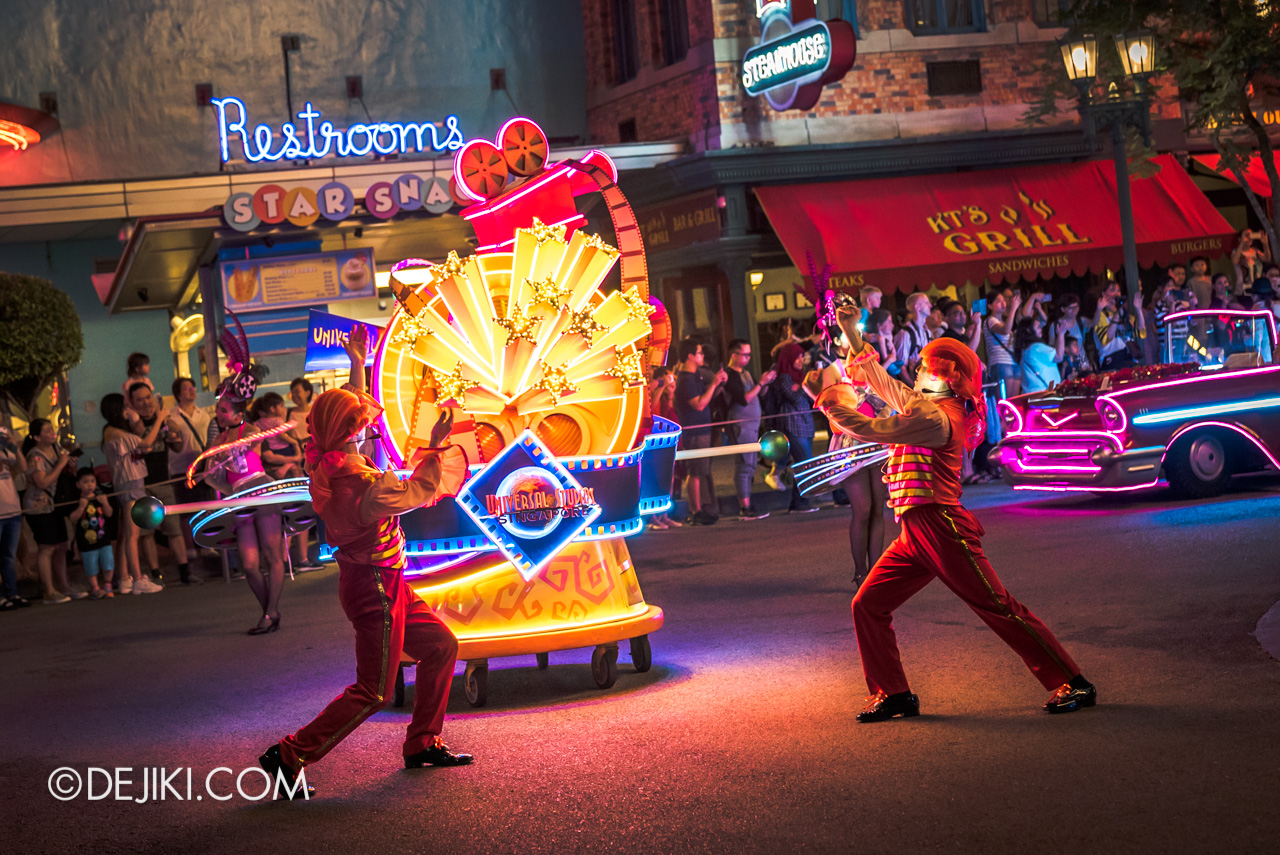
{"x":1029,"y":338}
{"x":83,"y":513}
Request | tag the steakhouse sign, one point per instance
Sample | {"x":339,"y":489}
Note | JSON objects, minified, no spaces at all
{"x":797,"y":55}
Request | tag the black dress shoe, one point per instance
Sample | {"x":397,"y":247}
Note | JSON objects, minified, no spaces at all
{"x":437,"y":755}
{"x":882,"y":707}
{"x":1067,"y":699}
{"x":282,"y":777}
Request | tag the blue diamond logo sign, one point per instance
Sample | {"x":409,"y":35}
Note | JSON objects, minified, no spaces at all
{"x":528,"y":504}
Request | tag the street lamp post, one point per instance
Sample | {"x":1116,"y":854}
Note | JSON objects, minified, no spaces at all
{"x":1116,"y":114}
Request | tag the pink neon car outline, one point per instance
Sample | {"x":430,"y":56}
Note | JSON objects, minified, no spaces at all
{"x":1195,"y":429}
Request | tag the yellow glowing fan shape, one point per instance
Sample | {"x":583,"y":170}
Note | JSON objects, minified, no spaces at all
{"x":518,"y":340}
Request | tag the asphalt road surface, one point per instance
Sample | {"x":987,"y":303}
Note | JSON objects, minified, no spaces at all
{"x":741,"y":738}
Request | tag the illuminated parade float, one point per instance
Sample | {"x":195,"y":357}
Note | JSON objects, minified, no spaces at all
{"x":542,"y":359}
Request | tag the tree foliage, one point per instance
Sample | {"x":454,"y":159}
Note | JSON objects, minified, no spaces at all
{"x":39,"y":336}
{"x":1224,"y":56}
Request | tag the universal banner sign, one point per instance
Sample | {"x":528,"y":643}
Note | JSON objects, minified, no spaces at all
{"x":797,"y":55}
{"x":326,"y":337}
{"x":256,"y":284}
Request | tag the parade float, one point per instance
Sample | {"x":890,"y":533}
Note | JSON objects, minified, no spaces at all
{"x":539,"y":343}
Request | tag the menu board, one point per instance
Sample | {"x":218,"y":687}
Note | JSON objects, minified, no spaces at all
{"x":280,"y":282}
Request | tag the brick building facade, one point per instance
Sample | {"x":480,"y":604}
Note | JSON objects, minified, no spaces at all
{"x":925,"y":94}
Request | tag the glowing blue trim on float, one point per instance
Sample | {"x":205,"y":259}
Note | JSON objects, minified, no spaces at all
{"x":381,"y":137}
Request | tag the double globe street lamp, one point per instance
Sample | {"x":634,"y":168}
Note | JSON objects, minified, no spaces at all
{"x":1116,"y":113}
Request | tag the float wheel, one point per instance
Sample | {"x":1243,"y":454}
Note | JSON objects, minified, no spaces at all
{"x":544,"y":659}
{"x":524,"y":147}
{"x":604,"y":665}
{"x":475,"y":682}
{"x":641,"y":654}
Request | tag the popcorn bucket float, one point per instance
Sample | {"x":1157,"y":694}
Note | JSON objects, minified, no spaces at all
{"x":543,"y":366}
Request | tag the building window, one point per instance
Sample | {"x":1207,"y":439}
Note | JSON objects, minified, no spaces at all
{"x":674,"y":16}
{"x":954,"y":78}
{"x":627,"y":131}
{"x":846,"y":10}
{"x":626,"y":53}
{"x":932,"y":17}
{"x":1048,"y":13}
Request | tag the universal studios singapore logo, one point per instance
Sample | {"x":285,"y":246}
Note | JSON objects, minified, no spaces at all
{"x":528,"y":504}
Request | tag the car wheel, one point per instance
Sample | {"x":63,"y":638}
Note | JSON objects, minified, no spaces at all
{"x":1197,"y":466}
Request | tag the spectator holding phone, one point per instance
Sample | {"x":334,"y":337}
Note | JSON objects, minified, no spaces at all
{"x":1037,"y":360}
{"x":744,"y":417}
{"x":999,"y":334}
{"x":692,"y":401}
{"x":45,"y":461}
{"x":1115,"y":329}
{"x":1250,"y":257}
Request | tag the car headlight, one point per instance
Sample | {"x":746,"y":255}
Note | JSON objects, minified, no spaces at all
{"x":1010,"y":417}
{"x":1112,"y":414}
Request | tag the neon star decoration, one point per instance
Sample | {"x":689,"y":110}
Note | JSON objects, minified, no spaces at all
{"x":412,"y":329}
{"x":453,"y":386}
{"x":452,"y":266}
{"x":583,"y":324}
{"x":543,"y":233}
{"x":548,"y":292}
{"x":638,"y":308}
{"x":518,"y":326}
{"x":555,"y":382}
{"x":629,"y":368}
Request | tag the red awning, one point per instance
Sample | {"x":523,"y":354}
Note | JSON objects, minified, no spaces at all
{"x":1000,"y":225}
{"x":1256,"y":174}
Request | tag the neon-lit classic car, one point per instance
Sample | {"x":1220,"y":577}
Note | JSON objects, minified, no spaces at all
{"x":1209,"y":411}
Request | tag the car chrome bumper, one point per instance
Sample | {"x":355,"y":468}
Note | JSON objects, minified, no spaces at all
{"x":1038,"y":464}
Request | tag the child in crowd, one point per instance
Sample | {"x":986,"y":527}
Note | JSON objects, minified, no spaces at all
{"x":90,"y":519}
{"x":139,"y":369}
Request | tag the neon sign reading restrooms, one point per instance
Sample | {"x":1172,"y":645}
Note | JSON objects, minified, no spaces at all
{"x":315,"y":141}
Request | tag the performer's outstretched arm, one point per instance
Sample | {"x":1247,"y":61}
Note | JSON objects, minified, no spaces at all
{"x":438,"y":474}
{"x":920,"y":422}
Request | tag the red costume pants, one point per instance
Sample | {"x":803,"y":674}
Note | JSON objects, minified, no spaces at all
{"x":942,"y":541}
{"x":388,"y":618}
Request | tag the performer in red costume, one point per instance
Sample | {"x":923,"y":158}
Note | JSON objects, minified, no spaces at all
{"x":359,"y":504}
{"x":936,"y":421}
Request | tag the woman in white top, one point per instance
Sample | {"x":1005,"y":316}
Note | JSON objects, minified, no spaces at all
{"x":125,"y":451}
{"x":999,"y":329}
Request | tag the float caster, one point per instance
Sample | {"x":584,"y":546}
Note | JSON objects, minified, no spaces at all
{"x":641,"y":654}
{"x":544,"y":659}
{"x":397,"y":699}
{"x":475,"y":682}
{"x":604,"y":665}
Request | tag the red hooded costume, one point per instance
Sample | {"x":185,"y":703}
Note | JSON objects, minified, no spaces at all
{"x":359,"y":505}
{"x":940,"y":539}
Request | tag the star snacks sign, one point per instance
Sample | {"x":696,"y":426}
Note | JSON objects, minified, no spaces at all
{"x":797,"y":54}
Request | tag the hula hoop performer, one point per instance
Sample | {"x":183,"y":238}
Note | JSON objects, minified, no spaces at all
{"x":936,"y":421}
{"x":359,"y":505}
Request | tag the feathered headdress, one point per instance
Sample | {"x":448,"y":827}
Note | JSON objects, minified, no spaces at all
{"x":823,"y":298}
{"x":245,"y":376}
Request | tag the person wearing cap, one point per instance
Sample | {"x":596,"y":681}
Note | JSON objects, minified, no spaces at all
{"x":934,"y":423}
{"x":360,"y":506}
